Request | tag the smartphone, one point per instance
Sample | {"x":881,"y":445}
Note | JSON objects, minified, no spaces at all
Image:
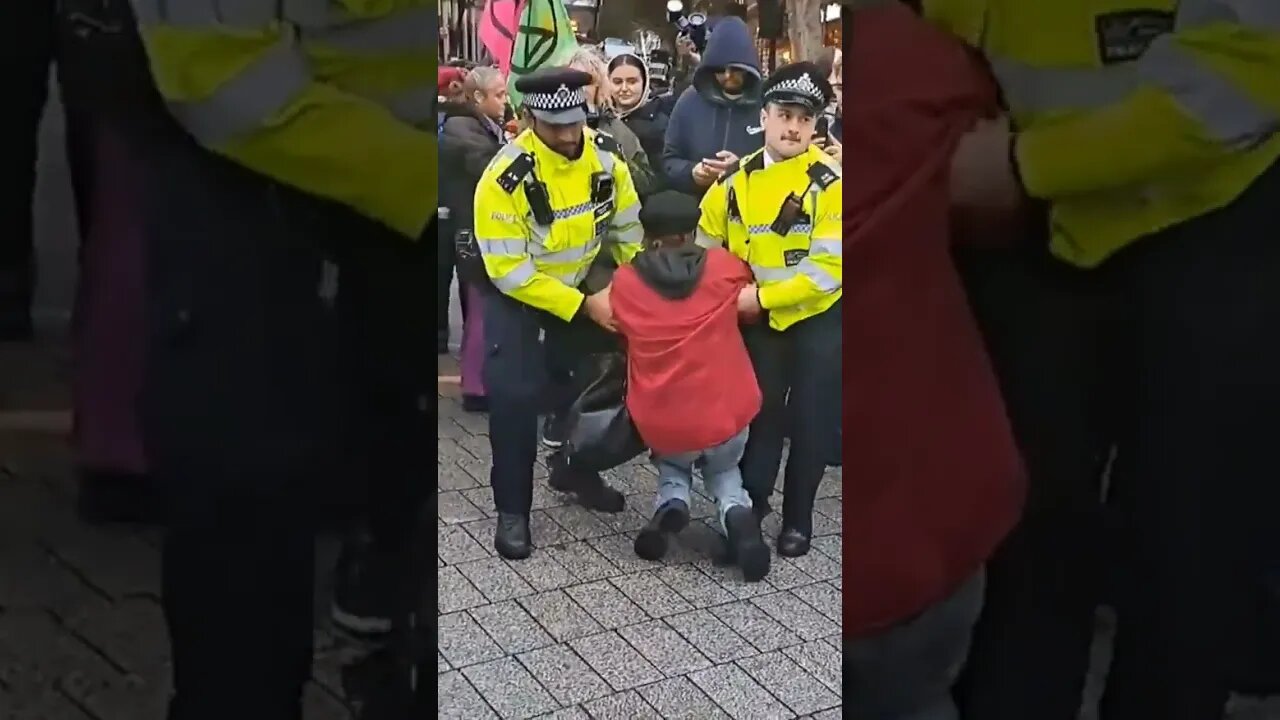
{"x":822,"y":130}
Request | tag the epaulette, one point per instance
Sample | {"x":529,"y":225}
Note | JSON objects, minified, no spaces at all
{"x":605,"y":142}
{"x":823,"y":175}
{"x":516,"y":172}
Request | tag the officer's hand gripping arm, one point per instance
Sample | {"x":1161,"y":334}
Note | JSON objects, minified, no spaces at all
{"x":1208,"y":91}
{"x":502,"y":240}
{"x":248,"y":93}
{"x":821,"y":272}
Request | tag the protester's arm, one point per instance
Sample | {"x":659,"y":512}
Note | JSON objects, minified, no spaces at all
{"x":294,"y":129}
{"x":1209,"y":92}
{"x":821,"y":272}
{"x":502,"y":238}
{"x":713,"y":226}
{"x":625,"y":235}
{"x":677,"y":167}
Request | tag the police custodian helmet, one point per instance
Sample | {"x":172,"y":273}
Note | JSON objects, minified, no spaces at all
{"x":799,"y":83}
{"x":556,"y":95}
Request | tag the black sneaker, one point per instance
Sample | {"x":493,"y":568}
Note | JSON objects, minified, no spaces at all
{"x":588,"y":488}
{"x":555,"y":431}
{"x":364,"y":590}
{"x":747,"y":544}
{"x":671,"y":518}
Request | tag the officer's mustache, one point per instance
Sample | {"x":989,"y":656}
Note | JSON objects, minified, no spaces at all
{"x":791,"y":137}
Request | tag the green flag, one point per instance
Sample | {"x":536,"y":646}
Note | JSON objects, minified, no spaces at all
{"x":544,"y":38}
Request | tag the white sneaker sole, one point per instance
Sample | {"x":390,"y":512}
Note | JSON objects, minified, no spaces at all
{"x":359,"y":625}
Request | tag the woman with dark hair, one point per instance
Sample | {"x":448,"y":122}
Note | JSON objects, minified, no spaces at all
{"x":644,"y":115}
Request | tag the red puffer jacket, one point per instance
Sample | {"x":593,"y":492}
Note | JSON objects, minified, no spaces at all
{"x":933,"y":480}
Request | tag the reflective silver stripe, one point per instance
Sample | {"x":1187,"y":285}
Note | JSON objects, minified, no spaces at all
{"x":1037,"y":90}
{"x":703,"y":239}
{"x":199,"y":14}
{"x":627,"y":215}
{"x":566,"y":255}
{"x":404,"y":31}
{"x":825,"y":281}
{"x":518,"y":276}
{"x":503,"y":246}
{"x":771,"y":274}
{"x":606,"y":160}
{"x":1257,"y":14}
{"x":415,"y":106}
{"x":826,"y":247}
{"x":248,"y":100}
{"x":1230,"y":115}
{"x":629,"y":235}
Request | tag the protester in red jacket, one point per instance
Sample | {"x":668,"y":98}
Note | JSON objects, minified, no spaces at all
{"x":933,"y":478}
{"x":691,"y":389}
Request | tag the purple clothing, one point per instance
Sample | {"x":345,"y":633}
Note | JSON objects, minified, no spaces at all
{"x":473,"y":343}
{"x":108,"y":324}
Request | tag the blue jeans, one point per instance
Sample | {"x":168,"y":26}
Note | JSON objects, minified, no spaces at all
{"x":906,"y":672}
{"x":720,"y":475}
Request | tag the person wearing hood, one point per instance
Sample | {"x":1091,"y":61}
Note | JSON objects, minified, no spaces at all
{"x":603,"y":116}
{"x":716,"y":121}
{"x":644,"y":115}
{"x":691,"y":390}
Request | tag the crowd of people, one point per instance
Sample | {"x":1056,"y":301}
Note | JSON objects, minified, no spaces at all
{"x":714,"y":139}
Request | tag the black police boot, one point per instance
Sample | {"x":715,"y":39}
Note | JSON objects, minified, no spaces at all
{"x":747,"y":544}
{"x":588,"y":487}
{"x":792,"y":543}
{"x":365,"y":582}
{"x":511,"y":538}
{"x":475,"y":403}
{"x":671,"y":518}
{"x":555,"y":431}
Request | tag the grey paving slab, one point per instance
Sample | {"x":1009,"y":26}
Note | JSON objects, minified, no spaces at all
{"x":597,"y":632}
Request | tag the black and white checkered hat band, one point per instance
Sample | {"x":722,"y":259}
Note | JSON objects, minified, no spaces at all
{"x":802,"y":85}
{"x":562,"y":99}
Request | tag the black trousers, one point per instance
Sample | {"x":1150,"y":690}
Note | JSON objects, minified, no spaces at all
{"x":519,"y":375}
{"x":1184,"y":386}
{"x":799,"y":372}
{"x":27,"y":28}
{"x":384,"y":309}
{"x":241,"y":412}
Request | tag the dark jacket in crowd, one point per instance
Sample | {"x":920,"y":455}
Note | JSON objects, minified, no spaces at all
{"x":917,"y":524}
{"x":649,"y":124}
{"x":704,"y":121}
{"x":467,"y":143}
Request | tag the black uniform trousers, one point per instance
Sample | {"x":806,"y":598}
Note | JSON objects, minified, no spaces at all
{"x":27,"y":29}
{"x":518,"y":374}
{"x":1174,"y":351}
{"x":799,"y":372}
{"x":242,"y":415}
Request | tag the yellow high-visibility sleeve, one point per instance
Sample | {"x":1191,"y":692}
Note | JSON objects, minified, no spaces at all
{"x":250,"y":96}
{"x":821,"y":272}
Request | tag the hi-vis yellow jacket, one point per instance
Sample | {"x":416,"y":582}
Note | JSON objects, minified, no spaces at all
{"x":1133,"y":116}
{"x":333,"y":97}
{"x":800,"y":274}
{"x":542,"y":265}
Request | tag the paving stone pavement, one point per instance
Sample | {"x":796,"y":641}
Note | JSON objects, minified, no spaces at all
{"x":585,"y":629}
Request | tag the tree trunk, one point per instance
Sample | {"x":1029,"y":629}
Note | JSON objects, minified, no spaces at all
{"x":804,"y":28}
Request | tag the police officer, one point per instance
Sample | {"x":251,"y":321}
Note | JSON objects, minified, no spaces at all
{"x":297,"y":133}
{"x":544,"y":209}
{"x":1143,"y":315}
{"x":780,"y":210}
